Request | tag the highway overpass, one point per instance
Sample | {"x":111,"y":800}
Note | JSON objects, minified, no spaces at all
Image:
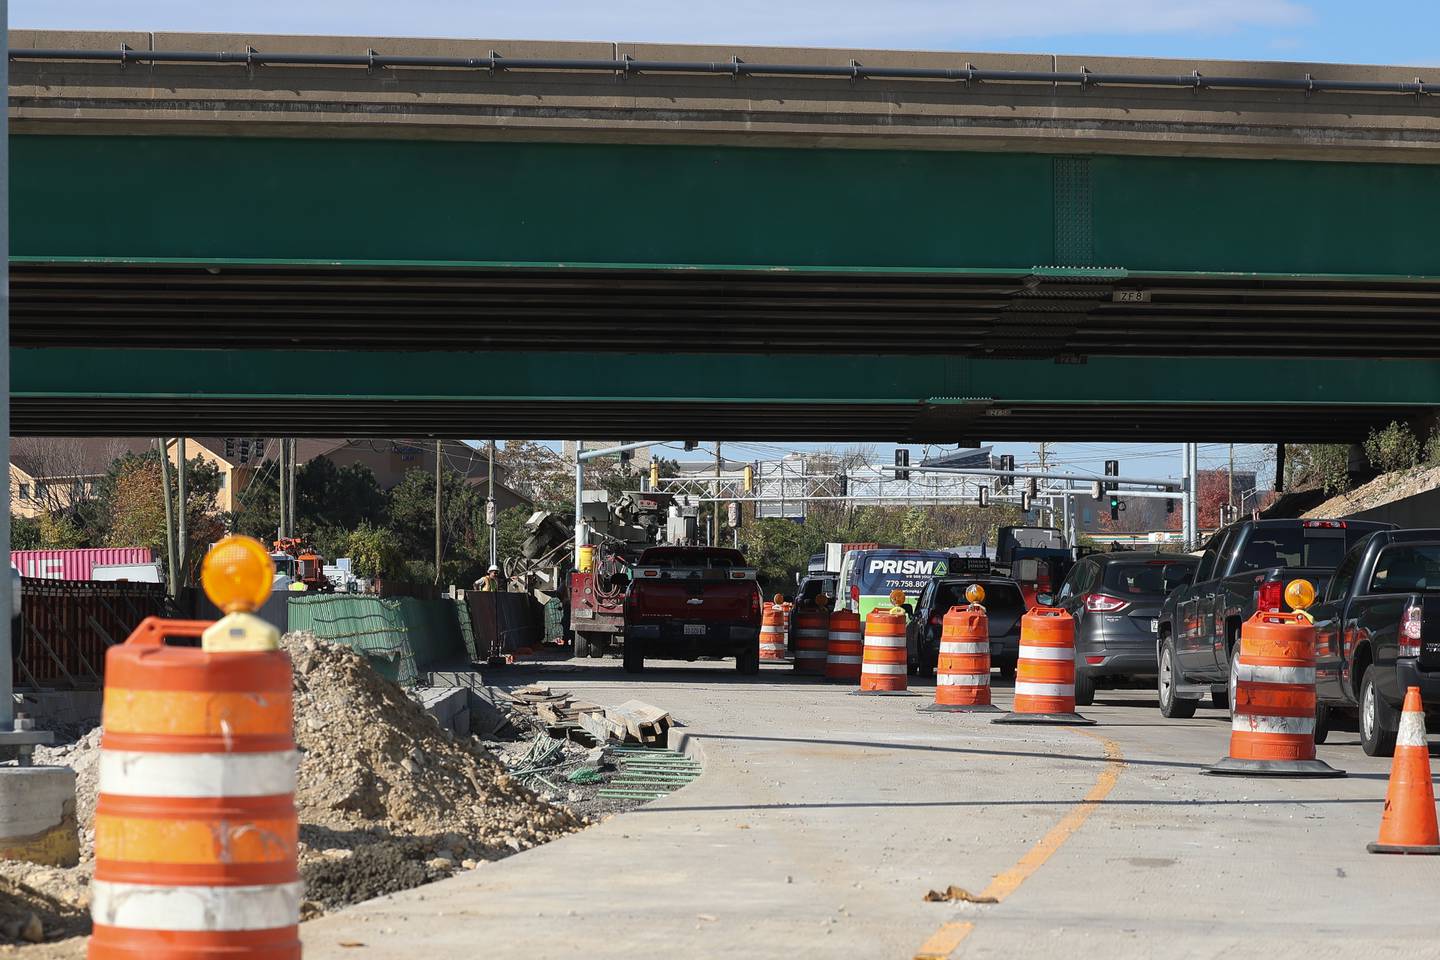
{"x":288,"y":234}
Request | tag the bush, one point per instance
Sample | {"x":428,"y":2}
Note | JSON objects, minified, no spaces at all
{"x":1393,"y":448}
{"x":1432,"y":448}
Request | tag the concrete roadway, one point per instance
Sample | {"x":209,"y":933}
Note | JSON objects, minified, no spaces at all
{"x":823,"y":819}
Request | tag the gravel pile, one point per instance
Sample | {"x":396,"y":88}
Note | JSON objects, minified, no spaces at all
{"x":1386,"y":488}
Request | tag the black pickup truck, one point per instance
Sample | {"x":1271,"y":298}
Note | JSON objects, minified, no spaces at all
{"x":1377,"y":632}
{"x":1244,"y":568}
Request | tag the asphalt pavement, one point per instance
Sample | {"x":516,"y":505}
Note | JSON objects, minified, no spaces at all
{"x":823,"y":818}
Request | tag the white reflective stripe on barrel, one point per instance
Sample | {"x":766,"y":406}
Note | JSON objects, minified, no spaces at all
{"x":839,"y":658}
{"x":874,"y":641}
{"x":1046,"y":653}
{"x":956,"y":646}
{"x":1412,"y":730}
{"x":135,"y":773}
{"x":963,"y":680}
{"x":891,"y":668}
{"x":1044,"y":689}
{"x":144,"y":906}
{"x":771,"y":628}
{"x":1255,"y":673}
{"x":1252,"y":723}
{"x":846,"y":635}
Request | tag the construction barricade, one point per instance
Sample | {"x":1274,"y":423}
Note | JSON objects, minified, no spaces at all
{"x":1408,"y":824}
{"x":1045,"y":675}
{"x":812,"y":630}
{"x":772,"y":633}
{"x":1272,"y":727}
{"x":962,"y":672}
{"x":883,"y":667}
{"x":195,"y":825}
{"x":846,"y":647}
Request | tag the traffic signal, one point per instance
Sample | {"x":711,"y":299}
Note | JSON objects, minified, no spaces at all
{"x":1112,"y":469}
{"x":902,"y":459}
{"x":1097,"y":490}
{"x":625,"y":457}
{"x":230,"y":449}
{"x":654,"y":475}
{"x":984,"y":497}
{"x":692,"y":444}
{"x":1007,"y":464}
{"x":1114,"y":507}
{"x":732,"y":515}
{"x":1025,"y":498}
{"x":844,"y":485}
{"x":1169,"y":505}
{"x":1032,"y":487}
{"x":749,"y":479}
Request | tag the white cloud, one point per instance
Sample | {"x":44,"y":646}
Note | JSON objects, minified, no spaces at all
{"x":954,"y":24}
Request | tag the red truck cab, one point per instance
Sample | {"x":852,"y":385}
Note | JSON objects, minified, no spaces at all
{"x":684,"y":603}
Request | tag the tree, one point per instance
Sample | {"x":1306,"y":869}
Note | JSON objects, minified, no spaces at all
{"x":330,"y":502}
{"x":133,"y":508}
{"x":374,"y":552}
{"x":61,"y":468}
{"x":59,"y":532}
{"x":538,"y":473}
{"x":1323,"y":466}
{"x":24,"y":533}
{"x":465,"y":541}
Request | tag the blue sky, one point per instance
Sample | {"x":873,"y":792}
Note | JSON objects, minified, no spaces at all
{"x":1320,"y":31}
{"x":1335,"y":31}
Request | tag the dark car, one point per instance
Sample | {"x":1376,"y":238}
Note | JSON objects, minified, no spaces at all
{"x":1377,"y":633}
{"x":1004,"y":604}
{"x":1115,"y":599}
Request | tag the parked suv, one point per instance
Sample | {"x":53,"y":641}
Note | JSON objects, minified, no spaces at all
{"x":1244,"y":568}
{"x":1115,"y":599}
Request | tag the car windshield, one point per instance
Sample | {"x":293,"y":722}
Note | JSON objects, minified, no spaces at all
{"x":1407,"y":568}
{"x":1294,"y":547}
{"x":1141,"y":578}
{"x":813,"y":588}
{"x":998,"y":596}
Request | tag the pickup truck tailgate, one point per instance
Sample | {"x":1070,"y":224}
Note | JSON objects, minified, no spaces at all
{"x":696,"y":599}
{"x":1430,"y":634}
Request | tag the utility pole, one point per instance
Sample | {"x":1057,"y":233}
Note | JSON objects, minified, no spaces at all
{"x":579,"y":495}
{"x":1230,"y":475}
{"x":715,"y":526}
{"x":172,"y":569}
{"x":437,"y":511}
{"x":280,"y":524}
{"x":490,"y":517}
{"x":183,"y":534}
{"x":291,"y":486}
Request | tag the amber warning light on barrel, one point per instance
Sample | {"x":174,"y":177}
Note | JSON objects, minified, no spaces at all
{"x":238,"y":576}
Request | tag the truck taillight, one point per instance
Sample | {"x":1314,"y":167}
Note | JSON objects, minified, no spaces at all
{"x":855,"y":594}
{"x":755,"y":606}
{"x":1270,"y":596}
{"x":1099,"y":603}
{"x":1410,"y":631}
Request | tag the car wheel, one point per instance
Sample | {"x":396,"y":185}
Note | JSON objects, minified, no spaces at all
{"x":1232,"y":686}
{"x":1084,"y":689}
{"x":599,"y":648}
{"x":1322,"y":722}
{"x":1220,"y":699}
{"x":634,"y":656}
{"x":582,"y":645}
{"x":1377,"y":719}
{"x":1171,"y":706}
{"x":747,"y":661}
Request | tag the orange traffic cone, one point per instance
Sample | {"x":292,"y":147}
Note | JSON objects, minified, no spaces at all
{"x":1408,"y":825}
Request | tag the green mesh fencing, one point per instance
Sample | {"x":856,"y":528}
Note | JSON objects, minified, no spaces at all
{"x":402,"y":637}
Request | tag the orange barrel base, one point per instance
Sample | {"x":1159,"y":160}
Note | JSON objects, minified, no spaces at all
{"x":846,"y":647}
{"x":772,"y":633}
{"x":1272,"y":727}
{"x":1045,"y":672}
{"x":811,"y":631}
{"x":118,"y":943}
{"x":884,"y":666}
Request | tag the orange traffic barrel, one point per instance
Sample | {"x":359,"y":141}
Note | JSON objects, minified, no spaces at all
{"x":962,"y":674}
{"x":1408,"y":824}
{"x":195,"y":826}
{"x":846,"y":647}
{"x":883,"y":665}
{"x":1045,"y":675}
{"x":772,"y":633}
{"x":1272,"y":726}
{"x":812,"y":629}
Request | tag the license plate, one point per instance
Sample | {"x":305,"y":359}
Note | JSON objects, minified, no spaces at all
{"x":1154,"y":626}
{"x":694,"y":629}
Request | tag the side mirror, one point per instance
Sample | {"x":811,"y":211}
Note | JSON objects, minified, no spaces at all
{"x":1175,"y":575}
{"x":1045,"y":599}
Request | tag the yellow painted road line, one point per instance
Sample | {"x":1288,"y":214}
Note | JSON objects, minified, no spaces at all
{"x":942,"y":942}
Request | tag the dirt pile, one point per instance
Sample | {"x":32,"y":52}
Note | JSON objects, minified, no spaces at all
{"x":375,"y":769}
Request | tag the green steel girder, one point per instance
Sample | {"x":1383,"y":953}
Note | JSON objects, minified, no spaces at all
{"x":731,"y":379}
{"x":215,"y":198}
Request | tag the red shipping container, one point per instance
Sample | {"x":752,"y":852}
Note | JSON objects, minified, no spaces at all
{"x":74,"y":564}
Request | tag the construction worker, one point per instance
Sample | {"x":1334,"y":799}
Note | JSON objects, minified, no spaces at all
{"x":490,"y":583}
